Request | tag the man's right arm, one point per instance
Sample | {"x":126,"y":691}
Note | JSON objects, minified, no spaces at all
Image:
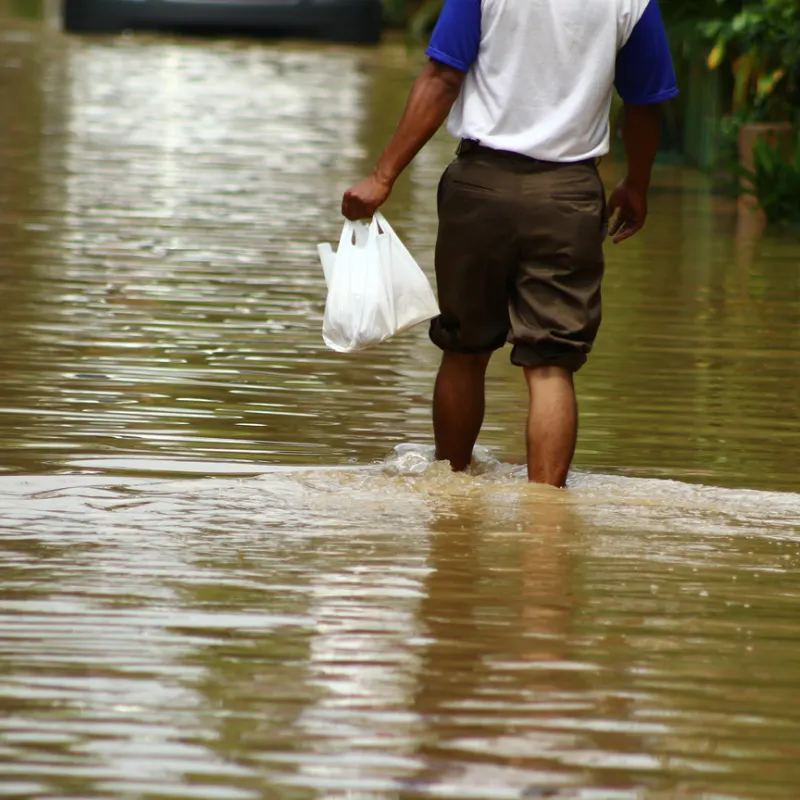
{"x":644,"y":79}
{"x":454,"y":47}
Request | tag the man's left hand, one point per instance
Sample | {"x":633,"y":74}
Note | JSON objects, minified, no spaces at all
{"x":365,"y":198}
{"x":629,"y":203}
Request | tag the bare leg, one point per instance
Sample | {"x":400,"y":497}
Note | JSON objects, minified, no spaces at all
{"x":552,"y":424}
{"x":458,"y":406}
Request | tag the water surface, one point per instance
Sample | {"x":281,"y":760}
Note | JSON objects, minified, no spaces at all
{"x":218,"y":580}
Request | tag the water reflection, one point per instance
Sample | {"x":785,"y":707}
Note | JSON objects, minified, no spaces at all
{"x":318,"y":632}
{"x":177,"y":295}
{"x":497,"y":610}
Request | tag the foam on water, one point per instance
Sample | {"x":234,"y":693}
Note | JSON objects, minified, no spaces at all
{"x":417,"y":459}
{"x":387,"y":493}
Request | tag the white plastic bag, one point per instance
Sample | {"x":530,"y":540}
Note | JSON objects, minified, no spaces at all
{"x":375,"y":288}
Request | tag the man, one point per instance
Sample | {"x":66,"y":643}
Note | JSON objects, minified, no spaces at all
{"x":522,"y":214}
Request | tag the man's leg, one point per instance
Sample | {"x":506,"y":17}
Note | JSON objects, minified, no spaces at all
{"x":556,"y":307}
{"x":552,"y":424}
{"x":458,"y":406}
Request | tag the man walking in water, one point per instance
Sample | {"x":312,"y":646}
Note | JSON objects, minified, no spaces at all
{"x":527,"y":85}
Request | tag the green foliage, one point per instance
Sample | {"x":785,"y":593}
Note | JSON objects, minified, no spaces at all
{"x":424,"y":18}
{"x":756,"y":42}
{"x":395,"y":12}
{"x":727,"y":156}
{"x":761,"y":44}
{"x":686,"y":22}
{"x":417,"y":16}
{"x":775,"y":181}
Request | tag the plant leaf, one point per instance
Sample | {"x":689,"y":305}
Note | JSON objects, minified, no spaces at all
{"x":766,"y":83}
{"x":717,"y":54}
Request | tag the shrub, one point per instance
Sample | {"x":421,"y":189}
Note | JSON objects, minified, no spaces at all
{"x":774,"y":181}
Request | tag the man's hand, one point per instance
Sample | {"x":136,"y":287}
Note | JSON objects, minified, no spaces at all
{"x":365,"y":198}
{"x":630,"y":205}
{"x":641,"y":129}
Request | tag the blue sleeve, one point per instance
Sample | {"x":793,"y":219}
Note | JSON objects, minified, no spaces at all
{"x":457,"y":36}
{"x":645,"y":74}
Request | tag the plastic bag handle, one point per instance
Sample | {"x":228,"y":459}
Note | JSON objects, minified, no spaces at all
{"x":381,"y":224}
{"x":354,"y":231}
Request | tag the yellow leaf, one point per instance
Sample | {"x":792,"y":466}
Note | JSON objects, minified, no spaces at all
{"x":716,"y":55}
{"x":767,"y":83}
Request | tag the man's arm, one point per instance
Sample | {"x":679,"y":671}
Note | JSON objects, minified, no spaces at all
{"x":641,"y":132}
{"x":453,"y":49}
{"x":644,"y":79}
{"x":429,"y":102}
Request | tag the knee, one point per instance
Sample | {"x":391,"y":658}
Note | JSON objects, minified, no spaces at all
{"x":473,"y":362}
{"x":548,"y":373}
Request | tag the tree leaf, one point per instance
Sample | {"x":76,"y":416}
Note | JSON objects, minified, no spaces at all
{"x":717,"y":54}
{"x":767,"y":83}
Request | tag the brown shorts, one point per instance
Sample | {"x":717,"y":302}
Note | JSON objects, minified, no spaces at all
{"x":519,"y":257}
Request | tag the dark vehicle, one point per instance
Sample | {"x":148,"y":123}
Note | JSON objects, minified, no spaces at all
{"x":357,"y":21}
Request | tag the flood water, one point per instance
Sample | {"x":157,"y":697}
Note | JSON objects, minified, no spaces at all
{"x":220,"y":580}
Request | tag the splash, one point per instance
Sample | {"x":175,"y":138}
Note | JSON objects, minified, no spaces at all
{"x":412,"y":459}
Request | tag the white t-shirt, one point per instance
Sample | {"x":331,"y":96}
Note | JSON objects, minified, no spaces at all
{"x":540,"y":73}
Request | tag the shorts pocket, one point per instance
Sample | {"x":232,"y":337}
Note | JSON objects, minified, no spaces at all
{"x":469,"y":186}
{"x":587,"y":195}
{"x":470,"y":175}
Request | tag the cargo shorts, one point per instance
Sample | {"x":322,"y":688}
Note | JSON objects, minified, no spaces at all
{"x":519,"y":257}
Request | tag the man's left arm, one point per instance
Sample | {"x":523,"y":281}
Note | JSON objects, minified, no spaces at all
{"x":453,"y":49}
{"x":645,"y":78}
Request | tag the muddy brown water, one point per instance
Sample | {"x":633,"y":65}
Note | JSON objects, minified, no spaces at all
{"x":219,"y":580}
